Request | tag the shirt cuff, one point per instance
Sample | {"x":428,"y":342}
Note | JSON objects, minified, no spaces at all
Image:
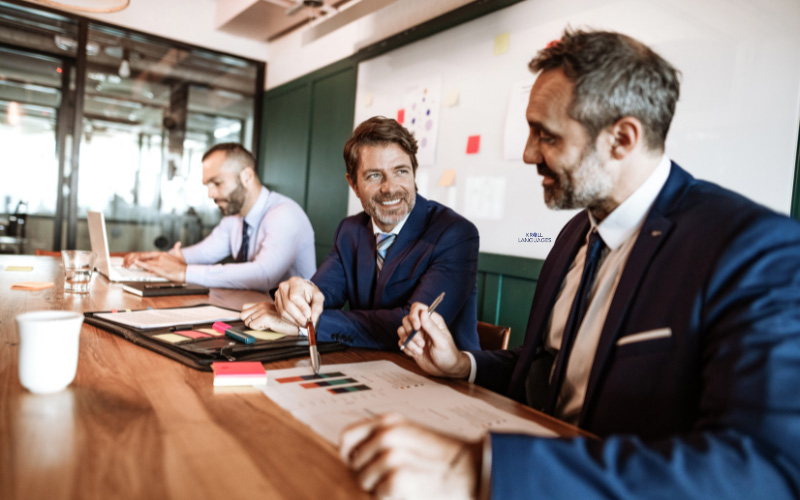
{"x":473,"y":367}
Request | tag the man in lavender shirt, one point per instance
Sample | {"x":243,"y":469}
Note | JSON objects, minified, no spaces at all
{"x":267,"y":234}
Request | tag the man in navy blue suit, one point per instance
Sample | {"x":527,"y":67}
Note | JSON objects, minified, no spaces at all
{"x":401,"y":249}
{"x":666,"y":319}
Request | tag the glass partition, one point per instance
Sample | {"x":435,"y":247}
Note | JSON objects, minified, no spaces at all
{"x":151,"y":107}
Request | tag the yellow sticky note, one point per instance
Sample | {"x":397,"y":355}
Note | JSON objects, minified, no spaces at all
{"x":209,"y":331}
{"x":369,"y":98}
{"x":265,"y":335}
{"x":19,"y":268}
{"x":31,"y":285}
{"x":170,"y":337}
{"x":448,"y":178}
{"x":451,"y":99}
{"x":501,"y":43}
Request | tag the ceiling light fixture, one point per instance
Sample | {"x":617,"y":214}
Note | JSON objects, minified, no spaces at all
{"x":94,"y":6}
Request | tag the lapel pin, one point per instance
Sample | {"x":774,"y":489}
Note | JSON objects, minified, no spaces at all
{"x":655,"y":233}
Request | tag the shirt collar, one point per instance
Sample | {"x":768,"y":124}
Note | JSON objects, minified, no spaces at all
{"x":256,"y":213}
{"x":628,"y":217}
{"x":395,"y":230}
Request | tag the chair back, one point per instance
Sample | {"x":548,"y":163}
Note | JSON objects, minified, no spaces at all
{"x":493,"y":337}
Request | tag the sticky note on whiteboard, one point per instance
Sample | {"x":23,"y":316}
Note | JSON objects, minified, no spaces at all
{"x":451,"y":99}
{"x":501,"y":43}
{"x":473,"y":144}
{"x":401,"y":116}
{"x":369,"y":98}
{"x":448,"y":178}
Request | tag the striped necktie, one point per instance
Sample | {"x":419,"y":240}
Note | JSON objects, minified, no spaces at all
{"x":242,"y":255}
{"x":384,"y":241}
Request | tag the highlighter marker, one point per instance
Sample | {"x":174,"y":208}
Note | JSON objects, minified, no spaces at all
{"x":240,"y":336}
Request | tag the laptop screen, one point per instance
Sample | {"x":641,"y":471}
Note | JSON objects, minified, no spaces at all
{"x":98,"y":239}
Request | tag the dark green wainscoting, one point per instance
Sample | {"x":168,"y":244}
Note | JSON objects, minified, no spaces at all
{"x":306,"y":123}
{"x":505,"y":291}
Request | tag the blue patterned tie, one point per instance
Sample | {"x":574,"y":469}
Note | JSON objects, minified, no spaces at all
{"x":242,"y":255}
{"x":384,"y":241}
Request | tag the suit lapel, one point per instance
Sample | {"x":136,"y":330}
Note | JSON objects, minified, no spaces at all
{"x":411,"y":231}
{"x":652,"y":236}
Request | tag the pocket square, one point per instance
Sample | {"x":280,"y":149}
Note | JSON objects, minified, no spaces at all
{"x":658,"y":333}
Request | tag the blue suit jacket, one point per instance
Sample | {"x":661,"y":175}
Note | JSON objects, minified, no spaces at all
{"x":713,"y":411}
{"x":436,"y":251}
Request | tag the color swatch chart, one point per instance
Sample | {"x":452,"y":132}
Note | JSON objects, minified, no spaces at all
{"x":326,"y":380}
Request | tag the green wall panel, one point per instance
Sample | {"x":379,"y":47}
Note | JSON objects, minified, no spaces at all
{"x":515,"y":305}
{"x":285,"y":142}
{"x":333,"y":98}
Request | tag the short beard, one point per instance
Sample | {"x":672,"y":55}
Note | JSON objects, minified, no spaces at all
{"x":587,"y":187}
{"x":390,"y":220}
{"x":235,"y":200}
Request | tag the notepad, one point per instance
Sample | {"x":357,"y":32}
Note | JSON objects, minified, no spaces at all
{"x":229,"y":373}
{"x":159,"y":318}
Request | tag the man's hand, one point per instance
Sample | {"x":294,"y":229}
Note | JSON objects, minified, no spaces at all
{"x":432,"y":348}
{"x":170,"y":265}
{"x":264,"y":316}
{"x":297,"y":300}
{"x":395,"y":458}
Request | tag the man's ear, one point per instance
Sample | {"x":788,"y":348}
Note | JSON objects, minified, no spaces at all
{"x":627,"y":134}
{"x":246,"y":176}
{"x":352,"y":183}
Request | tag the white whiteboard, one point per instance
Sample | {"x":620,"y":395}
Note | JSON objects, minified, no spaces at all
{"x":736,"y":123}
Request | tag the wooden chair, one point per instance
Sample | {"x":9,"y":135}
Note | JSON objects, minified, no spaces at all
{"x":493,"y":337}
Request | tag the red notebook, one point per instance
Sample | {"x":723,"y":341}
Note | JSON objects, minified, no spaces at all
{"x":228,"y":373}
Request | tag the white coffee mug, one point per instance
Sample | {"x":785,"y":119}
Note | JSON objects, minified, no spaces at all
{"x":48,"y":349}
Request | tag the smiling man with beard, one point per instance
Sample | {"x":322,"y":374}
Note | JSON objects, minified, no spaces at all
{"x":267,"y":234}
{"x":401,"y":249}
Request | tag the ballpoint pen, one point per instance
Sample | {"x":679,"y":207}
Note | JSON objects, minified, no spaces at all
{"x":430,"y":310}
{"x":312,"y":346}
{"x":167,"y":285}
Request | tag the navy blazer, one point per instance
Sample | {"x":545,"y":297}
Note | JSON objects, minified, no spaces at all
{"x":711,"y":411}
{"x":435,"y":252}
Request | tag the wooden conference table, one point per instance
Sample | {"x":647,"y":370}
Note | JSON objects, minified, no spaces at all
{"x":135,"y":424}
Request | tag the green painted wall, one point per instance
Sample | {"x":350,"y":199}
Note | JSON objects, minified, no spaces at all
{"x":306,"y":123}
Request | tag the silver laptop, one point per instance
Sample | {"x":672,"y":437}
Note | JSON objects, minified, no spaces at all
{"x":112,"y":268}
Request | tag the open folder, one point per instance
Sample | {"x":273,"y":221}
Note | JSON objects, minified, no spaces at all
{"x":185,"y":335}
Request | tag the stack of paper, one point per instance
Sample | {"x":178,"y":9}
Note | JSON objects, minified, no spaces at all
{"x":343,"y":394}
{"x":229,"y":373}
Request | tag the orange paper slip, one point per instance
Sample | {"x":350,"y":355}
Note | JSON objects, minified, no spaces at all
{"x":31,"y":285}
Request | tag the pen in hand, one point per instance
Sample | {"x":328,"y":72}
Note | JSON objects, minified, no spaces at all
{"x":430,"y":310}
{"x":312,"y":346}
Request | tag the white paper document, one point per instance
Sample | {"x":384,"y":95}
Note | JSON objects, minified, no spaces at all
{"x":160,"y":318}
{"x":343,"y":394}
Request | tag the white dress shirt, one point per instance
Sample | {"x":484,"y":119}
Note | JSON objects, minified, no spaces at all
{"x":619,"y":231}
{"x":281,"y":246}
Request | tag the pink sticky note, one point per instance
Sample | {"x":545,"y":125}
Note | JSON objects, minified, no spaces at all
{"x":193,"y":334}
{"x":401,"y":116}
{"x":473,"y":144}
